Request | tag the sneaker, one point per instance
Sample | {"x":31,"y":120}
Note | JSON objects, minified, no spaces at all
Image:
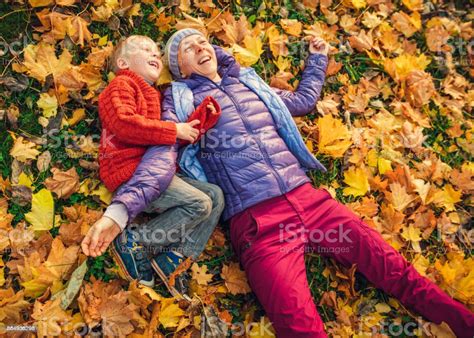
{"x":164,"y":265}
{"x":132,"y":259}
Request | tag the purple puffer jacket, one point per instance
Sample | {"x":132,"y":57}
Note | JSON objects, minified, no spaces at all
{"x":243,"y":153}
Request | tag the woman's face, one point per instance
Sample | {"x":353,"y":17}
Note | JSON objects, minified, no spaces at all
{"x":196,"y":55}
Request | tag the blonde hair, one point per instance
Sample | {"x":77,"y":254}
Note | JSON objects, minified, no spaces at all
{"x":122,"y":49}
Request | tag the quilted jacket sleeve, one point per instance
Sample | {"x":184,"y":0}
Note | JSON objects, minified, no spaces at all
{"x":154,"y":173}
{"x":303,"y":100}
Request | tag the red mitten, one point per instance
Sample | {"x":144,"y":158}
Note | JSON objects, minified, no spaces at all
{"x":207,"y":117}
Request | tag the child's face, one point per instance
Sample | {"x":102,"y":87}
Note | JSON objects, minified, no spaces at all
{"x":196,"y":55}
{"x":143,"y":58}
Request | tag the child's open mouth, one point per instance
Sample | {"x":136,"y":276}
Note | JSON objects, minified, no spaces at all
{"x":204,"y":60}
{"x":154,"y":64}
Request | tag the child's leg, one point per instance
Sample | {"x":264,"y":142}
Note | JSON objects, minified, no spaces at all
{"x":181,"y":208}
{"x":334,"y":231}
{"x":195,"y":242}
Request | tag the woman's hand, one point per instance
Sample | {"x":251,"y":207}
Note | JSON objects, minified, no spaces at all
{"x":318,"y":45}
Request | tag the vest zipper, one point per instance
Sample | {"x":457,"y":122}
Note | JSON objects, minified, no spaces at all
{"x":257,"y":140}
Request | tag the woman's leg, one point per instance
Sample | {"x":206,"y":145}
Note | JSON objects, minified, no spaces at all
{"x":335,"y":231}
{"x":275,"y":267}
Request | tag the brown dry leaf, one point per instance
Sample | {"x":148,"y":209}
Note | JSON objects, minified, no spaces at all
{"x":50,"y":317}
{"x":179,"y":270}
{"x":116,"y":314}
{"x":399,"y":197}
{"x":328,"y":106}
{"x":191,"y":22}
{"x":11,"y":305}
{"x":436,"y":38}
{"x":63,"y":183}
{"x":235,"y":279}
{"x":280,"y":80}
{"x":233,"y":31}
{"x":362,"y":42}
{"x":200,"y":275}
{"x":406,"y":24}
{"x":420,"y":87}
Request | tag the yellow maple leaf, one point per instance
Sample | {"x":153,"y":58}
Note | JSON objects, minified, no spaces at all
{"x":447,"y":197}
{"x":49,"y":104}
{"x":291,"y":26}
{"x":282,"y":63}
{"x":249,"y":54}
{"x":334,"y":137}
{"x":24,"y":150}
{"x":358,"y":4}
{"x":41,"y":61}
{"x":170,"y":313}
{"x":402,"y":65}
{"x":41,"y":216}
{"x":357,"y":180}
{"x":199,"y":273}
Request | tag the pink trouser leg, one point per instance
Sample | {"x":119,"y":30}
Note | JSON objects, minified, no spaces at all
{"x":275,"y":267}
{"x":333,"y":228}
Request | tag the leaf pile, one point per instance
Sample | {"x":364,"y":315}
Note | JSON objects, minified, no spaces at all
{"x":393,"y":127}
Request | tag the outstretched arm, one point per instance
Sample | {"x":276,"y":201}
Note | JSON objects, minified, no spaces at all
{"x":303,"y":100}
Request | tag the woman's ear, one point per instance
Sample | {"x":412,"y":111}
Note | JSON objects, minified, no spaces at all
{"x":122,"y":63}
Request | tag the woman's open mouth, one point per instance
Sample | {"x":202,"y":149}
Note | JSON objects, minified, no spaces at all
{"x":204,"y":60}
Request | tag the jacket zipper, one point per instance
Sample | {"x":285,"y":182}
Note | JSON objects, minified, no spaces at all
{"x":257,"y":140}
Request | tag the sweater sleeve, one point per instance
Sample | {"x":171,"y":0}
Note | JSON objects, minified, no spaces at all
{"x":122,"y":119}
{"x":303,"y":100}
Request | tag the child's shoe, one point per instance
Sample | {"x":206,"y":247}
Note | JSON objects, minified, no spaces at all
{"x":132,"y":259}
{"x":164,"y":265}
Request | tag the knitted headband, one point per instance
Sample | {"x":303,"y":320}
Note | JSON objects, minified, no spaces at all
{"x":172,"y":47}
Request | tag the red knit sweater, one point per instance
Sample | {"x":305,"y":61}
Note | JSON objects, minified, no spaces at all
{"x":130,"y":114}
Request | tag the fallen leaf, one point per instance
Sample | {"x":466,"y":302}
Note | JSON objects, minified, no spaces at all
{"x":63,"y":183}
{"x":235,"y":279}
{"x":41,"y":216}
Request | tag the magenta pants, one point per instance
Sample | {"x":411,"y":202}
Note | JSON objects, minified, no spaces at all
{"x":271,"y":237}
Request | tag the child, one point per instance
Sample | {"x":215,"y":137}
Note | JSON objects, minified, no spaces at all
{"x":130,"y":113}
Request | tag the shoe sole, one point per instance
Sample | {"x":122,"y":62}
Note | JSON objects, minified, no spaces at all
{"x":161,"y":274}
{"x":123,"y":270}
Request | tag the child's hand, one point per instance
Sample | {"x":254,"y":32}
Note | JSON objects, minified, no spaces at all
{"x":318,"y":46}
{"x":99,"y":236}
{"x":212,"y":108}
{"x":186,"y":131}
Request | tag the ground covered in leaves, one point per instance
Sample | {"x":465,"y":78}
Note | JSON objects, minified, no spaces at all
{"x":394,"y":127}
